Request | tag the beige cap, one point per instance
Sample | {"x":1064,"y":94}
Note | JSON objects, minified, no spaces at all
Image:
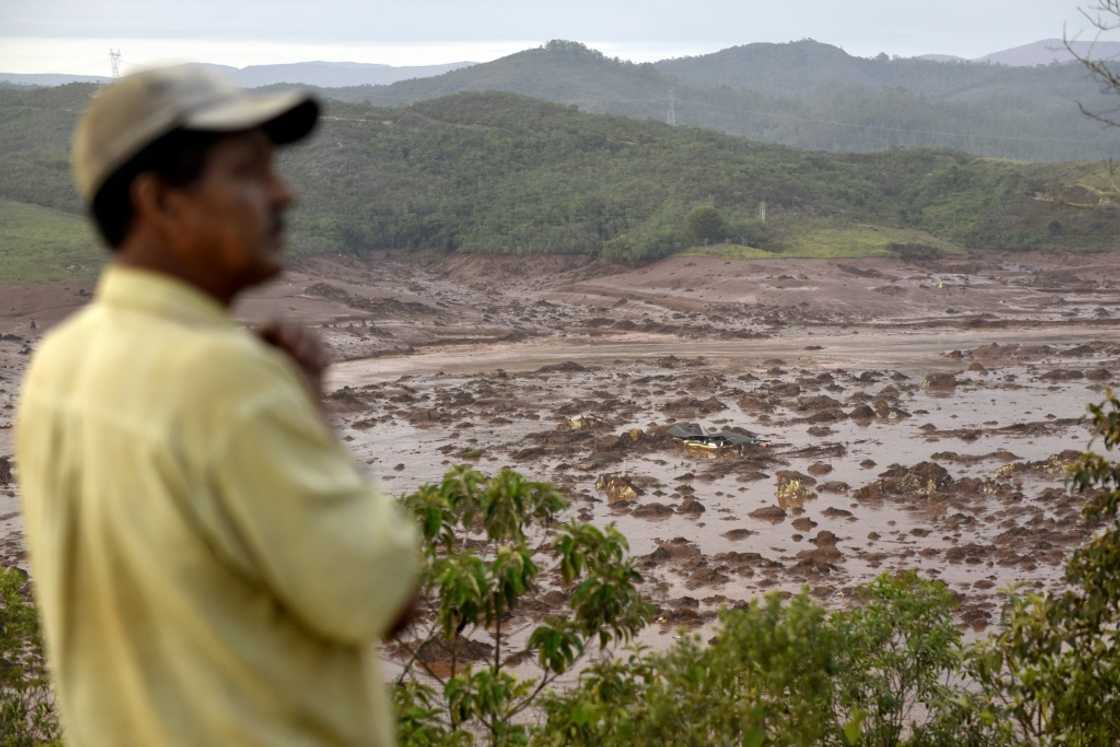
{"x":137,"y":110}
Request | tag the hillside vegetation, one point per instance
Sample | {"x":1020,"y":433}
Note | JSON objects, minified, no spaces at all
{"x":503,"y":173}
{"x":806,"y":95}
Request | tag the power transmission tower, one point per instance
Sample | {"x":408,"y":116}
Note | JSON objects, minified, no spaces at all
{"x":115,"y":62}
{"x":671,"y":118}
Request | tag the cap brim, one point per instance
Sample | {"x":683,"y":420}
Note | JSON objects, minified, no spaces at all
{"x":285,"y":117}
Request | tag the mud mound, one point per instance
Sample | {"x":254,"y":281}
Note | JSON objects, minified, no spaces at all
{"x":922,"y":479}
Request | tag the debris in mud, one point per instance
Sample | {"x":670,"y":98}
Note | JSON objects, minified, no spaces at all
{"x":618,"y":488}
{"x":693,"y":436}
{"x":1057,"y":466}
{"x":1003,"y":455}
{"x":582,"y":422}
{"x":793,"y":493}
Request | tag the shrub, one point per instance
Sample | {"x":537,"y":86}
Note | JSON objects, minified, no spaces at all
{"x":483,"y":563}
{"x":705,"y":225}
{"x":27,"y":715}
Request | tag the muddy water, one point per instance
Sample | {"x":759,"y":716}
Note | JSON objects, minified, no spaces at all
{"x":998,"y":522}
{"x":901,"y":350}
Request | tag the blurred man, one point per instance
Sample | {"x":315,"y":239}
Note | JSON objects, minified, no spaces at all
{"x":210,"y":566}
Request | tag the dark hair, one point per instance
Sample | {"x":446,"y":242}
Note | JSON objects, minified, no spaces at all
{"x":179,"y":158}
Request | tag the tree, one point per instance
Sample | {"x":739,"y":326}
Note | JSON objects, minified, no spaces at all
{"x":1104,"y":16}
{"x":705,"y":225}
{"x":483,"y":562}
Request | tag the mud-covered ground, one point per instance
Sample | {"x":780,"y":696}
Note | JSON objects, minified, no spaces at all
{"x":913,"y":415}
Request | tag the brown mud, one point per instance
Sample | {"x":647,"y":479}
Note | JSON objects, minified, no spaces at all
{"x":915,"y":415}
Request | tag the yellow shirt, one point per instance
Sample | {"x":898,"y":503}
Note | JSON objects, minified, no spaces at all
{"x":210,"y":566}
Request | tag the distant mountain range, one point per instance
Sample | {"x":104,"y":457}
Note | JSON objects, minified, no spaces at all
{"x":321,"y":74}
{"x":344,"y":74}
{"x":1050,"y":51}
{"x":803,"y":94}
{"x":1044,"y":52}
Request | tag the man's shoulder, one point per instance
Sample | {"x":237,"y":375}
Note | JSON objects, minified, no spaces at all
{"x":234,"y":365}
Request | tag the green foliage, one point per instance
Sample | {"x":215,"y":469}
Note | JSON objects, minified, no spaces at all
{"x":706,"y":225}
{"x":900,"y":649}
{"x":777,"y":673}
{"x":498,"y":173}
{"x":481,"y":565}
{"x":27,"y":714}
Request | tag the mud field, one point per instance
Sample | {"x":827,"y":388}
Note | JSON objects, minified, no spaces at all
{"x":906,"y":415}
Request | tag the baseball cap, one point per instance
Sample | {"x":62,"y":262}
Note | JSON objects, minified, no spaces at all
{"x":135,"y":111}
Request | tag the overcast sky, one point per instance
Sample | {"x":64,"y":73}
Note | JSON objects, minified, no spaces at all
{"x":73,"y":35}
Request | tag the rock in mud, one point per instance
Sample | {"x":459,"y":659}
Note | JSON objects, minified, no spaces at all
{"x":922,"y":479}
{"x":653,"y":511}
{"x":5,"y":469}
{"x":738,"y":534}
{"x":691,"y":507}
{"x":1062,"y":374}
{"x":773,"y":514}
{"x":438,"y":650}
{"x":834,"y":486}
{"x":862,"y":412}
{"x":565,"y":367}
{"x":691,"y":407}
{"x":940,"y":381}
{"x":803,"y":524}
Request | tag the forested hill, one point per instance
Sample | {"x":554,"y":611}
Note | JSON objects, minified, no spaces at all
{"x":807,"y":95}
{"x":503,"y":173}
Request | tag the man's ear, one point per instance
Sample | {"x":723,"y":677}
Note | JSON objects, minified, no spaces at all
{"x":149,"y":200}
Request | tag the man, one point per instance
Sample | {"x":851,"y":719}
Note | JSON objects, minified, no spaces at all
{"x":210,"y":566}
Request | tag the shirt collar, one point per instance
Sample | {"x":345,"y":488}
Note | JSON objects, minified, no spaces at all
{"x":160,"y":294}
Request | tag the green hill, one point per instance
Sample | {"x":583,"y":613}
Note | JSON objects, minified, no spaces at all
{"x":807,"y":95}
{"x":40,"y":243}
{"x":504,"y":173}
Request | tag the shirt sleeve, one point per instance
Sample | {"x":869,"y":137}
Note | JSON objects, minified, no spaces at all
{"x":340,"y":555}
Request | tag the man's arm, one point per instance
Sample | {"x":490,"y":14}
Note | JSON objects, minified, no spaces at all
{"x":337,"y":553}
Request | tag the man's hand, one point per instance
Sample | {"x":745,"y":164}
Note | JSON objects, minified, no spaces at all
{"x":304,"y":347}
{"x":405,"y":617}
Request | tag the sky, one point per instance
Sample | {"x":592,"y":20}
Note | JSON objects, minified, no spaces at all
{"x":74,"y":36}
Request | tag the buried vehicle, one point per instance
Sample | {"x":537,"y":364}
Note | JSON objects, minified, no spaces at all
{"x":693,"y":436}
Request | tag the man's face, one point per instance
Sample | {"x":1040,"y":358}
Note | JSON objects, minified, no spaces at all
{"x":230,"y":222}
